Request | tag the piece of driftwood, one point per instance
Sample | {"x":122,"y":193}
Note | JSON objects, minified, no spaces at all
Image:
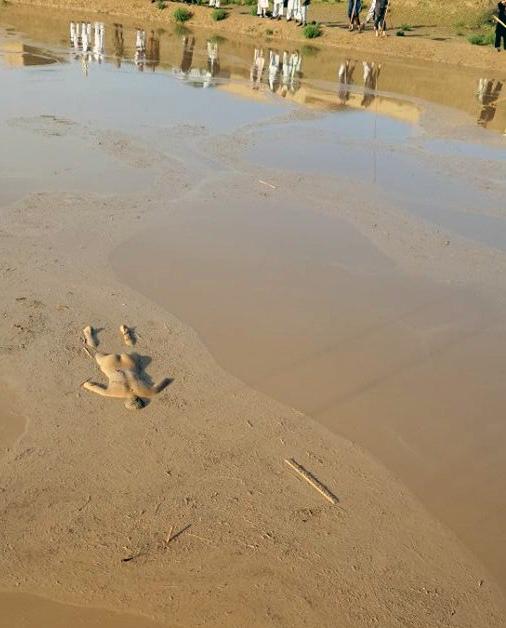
{"x":310,"y":479}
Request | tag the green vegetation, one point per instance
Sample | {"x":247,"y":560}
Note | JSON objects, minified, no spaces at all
{"x":311,"y":31}
{"x":219,"y":14}
{"x":400,"y":33}
{"x":405,"y":28}
{"x":182,"y":15}
{"x":482,"y":39}
{"x":310,"y":51}
{"x":253,"y":10}
{"x":161,"y":4}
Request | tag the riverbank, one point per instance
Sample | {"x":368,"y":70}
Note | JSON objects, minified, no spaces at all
{"x":433,"y":36}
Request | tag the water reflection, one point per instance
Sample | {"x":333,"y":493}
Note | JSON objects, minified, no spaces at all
{"x":318,"y":78}
{"x":488,"y":95}
{"x":87,"y":42}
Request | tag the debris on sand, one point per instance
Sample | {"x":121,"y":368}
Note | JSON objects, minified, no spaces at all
{"x":314,"y":482}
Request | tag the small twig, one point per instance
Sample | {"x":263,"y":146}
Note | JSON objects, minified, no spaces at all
{"x":315,"y":483}
{"x":269,"y":185}
{"x":168,"y":538}
{"x":201,"y":538}
{"x":173,"y":537}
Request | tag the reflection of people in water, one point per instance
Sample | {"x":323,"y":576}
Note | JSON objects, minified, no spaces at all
{"x":213,"y":61}
{"x":273,"y":70}
{"x":74,"y":36}
{"x":140,"y":50}
{"x":286,"y":72}
{"x":153,"y":51}
{"x":345,"y":76}
{"x":295,"y":71}
{"x":488,"y":94}
{"x":119,"y":44}
{"x":371,"y":75}
{"x":187,"y":58}
{"x":257,"y":69}
{"x":98,"y":42}
{"x":500,"y":29}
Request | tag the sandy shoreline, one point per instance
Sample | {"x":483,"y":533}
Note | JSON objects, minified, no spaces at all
{"x":90,"y":484}
{"x":436,"y":44}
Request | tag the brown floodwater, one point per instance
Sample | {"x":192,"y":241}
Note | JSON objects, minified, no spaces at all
{"x":295,"y":302}
{"x":20,"y":610}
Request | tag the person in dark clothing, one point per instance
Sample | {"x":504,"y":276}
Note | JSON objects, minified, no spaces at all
{"x":354,"y":8}
{"x":500,"y":30}
{"x":380,"y":15}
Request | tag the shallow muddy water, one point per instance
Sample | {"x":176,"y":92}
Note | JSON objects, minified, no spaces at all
{"x":299,"y":303}
{"x":19,"y":610}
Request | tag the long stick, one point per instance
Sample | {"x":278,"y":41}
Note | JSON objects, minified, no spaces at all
{"x":353,"y":12}
{"x":500,"y":21}
{"x":309,"y":477}
{"x":385,"y":16}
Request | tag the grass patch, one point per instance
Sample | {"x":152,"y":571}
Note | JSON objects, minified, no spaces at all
{"x":219,"y":14}
{"x":400,"y":33}
{"x":182,"y":15}
{"x":406,"y":28}
{"x":311,"y":31}
{"x":253,"y":10}
{"x":217,"y":39}
{"x":310,"y":51}
{"x":482,"y":39}
{"x":161,"y":4}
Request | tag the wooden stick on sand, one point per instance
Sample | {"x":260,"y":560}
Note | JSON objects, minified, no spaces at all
{"x":310,"y":479}
{"x":168,"y":538}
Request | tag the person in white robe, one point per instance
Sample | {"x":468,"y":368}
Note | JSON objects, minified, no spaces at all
{"x":262,"y":8}
{"x":277,"y":9}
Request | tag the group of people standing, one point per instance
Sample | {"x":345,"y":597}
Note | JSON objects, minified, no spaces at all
{"x":377,"y":12}
{"x":296,"y":10}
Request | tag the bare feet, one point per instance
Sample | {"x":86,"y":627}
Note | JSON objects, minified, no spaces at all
{"x":128,"y":336}
{"x":89,"y":337}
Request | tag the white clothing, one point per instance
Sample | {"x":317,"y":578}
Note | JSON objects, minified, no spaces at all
{"x":370,"y":13}
{"x":278,"y":8}
{"x":262,"y":8}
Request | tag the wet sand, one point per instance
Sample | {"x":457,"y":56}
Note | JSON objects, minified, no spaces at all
{"x":12,"y":425}
{"x":27,"y":611}
{"x":353,"y":287}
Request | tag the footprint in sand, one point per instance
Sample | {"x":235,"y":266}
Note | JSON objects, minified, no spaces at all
{"x":125,"y":372}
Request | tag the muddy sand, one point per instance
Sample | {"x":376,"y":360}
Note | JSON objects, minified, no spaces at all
{"x":271,"y":295}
